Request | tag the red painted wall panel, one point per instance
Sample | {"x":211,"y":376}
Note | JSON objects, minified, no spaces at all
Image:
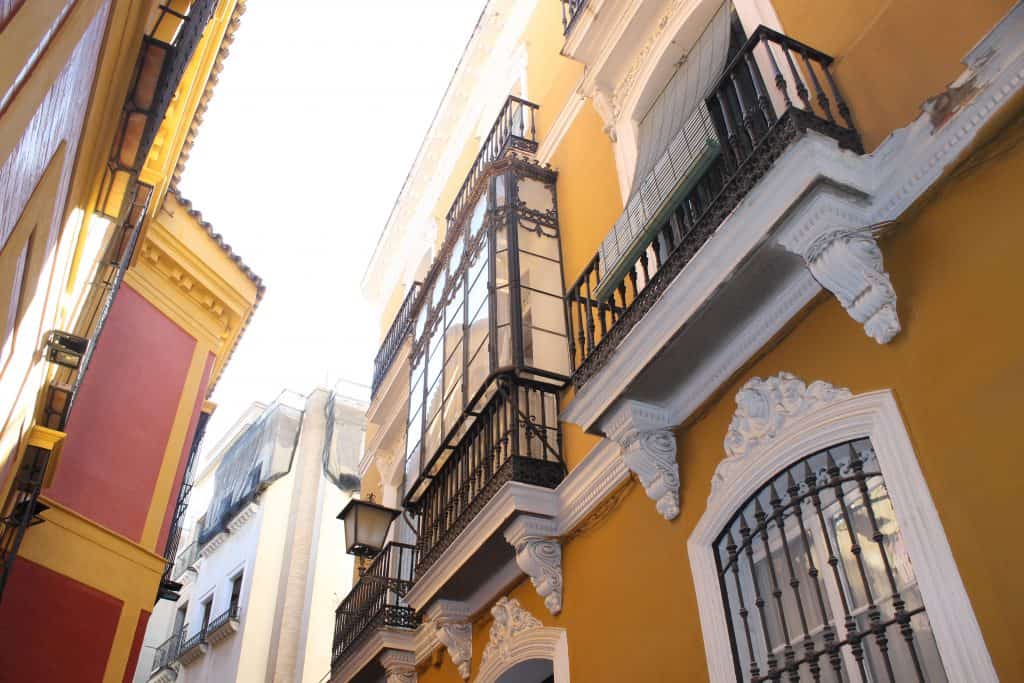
{"x":123,"y":416}
{"x":165,"y":528}
{"x":133,"y":655}
{"x":53,"y":628}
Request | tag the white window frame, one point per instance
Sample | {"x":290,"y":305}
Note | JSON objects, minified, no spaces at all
{"x":876,"y":416}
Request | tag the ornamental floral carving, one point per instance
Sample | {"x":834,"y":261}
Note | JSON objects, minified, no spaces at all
{"x":510,"y":620}
{"x":763,"y":409}
{"x":399,"y":666}
{"x":849,"y":264}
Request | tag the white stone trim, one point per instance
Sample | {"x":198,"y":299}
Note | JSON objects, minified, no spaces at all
{"x":539,"y":555}
{"x":399,"y":666}
{"x":511,"y":498}
{"x":874,"y":415}
{"x":243,"y":516}
{"x":450,"y":623}
{"x":373,"y":645}
{"x":644,"y":432}
{"x":214,"y":543}
{"x":517,"y":636}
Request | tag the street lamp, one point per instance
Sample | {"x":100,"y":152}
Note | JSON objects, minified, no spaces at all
{"x":366,"y":526}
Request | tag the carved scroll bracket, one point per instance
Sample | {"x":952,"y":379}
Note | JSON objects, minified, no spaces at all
{"x":649,"y":450}
{"x":849,"y":264}
{"x":399,"y":666}
{"x":453,"y":630}
{"x":539,"y":554}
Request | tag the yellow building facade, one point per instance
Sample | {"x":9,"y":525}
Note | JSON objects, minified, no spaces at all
{"x":765,"y":431}
{"x":120,"y":307}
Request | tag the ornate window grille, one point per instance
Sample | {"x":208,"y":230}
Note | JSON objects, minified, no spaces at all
{"x":816,"y":581}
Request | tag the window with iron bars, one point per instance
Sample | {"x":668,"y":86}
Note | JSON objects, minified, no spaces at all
{"x":816,"y":581}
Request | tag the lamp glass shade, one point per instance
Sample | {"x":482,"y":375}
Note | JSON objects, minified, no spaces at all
{"x":366,"y":527}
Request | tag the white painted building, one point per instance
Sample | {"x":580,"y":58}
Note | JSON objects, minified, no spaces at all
{"x":262,"y":562}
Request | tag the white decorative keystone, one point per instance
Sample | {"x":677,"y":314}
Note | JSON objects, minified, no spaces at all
{"x":649,"y":450}
{"x":539,"y":554}
{"x":399,"y":666}
{"x":453,"y":630}
{"x":763,"y":409}
{"x":848,"y":263}
{"x":510,"y":622}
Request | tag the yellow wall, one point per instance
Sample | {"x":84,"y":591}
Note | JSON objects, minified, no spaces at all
{"x":629,"y":604}
{"x":891,"y":55}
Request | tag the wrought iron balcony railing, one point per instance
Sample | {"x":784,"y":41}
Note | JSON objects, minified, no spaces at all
{"x":215,"y":629}
{"x":570,"y":10}
{"x":514,"y":129}
{"x":514,"y":438}
{"x":22,"y":508}
{"x":166,"y":653}
{"x":165,"y":54}
{"x":397,"y":334}
{"x":186,"y":558}
{"x":207,"y":533}
{"x":376,"y":600}
{"x":194,"y":641}
{"x":754,"y":127}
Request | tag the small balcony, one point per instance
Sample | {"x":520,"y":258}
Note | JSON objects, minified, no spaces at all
{"x":165,"y":53}
{"x":375,"y":602}
{"x":185,"y":560}
{"x":396,"y":336}
{"x":166,"y":653}
{"x":724,"y":151}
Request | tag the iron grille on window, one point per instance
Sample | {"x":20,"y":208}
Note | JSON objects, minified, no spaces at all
{"x":816,"y":580}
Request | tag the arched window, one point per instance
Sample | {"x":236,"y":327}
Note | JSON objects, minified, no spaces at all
{"x":820,"y":555}
{"x":816,"y":579}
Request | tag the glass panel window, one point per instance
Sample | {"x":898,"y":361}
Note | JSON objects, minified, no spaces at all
{"x":545,"y":351}
{"x":476,"y":221}
{"x":540,"y":273}
{"x":537,"y":242}
{"x":543,"y":310}
{"x":536,"y":195}
{"x":504,"y":346}
{"x":816,"y":580}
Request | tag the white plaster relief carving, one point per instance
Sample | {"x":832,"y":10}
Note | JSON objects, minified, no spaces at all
{"x":510,"y":620}
{"x":539,"y":555}
{"x":399,"y":666}
{"x":849,"y":264}
{"x":457,"y":637}
{"x":763,"y":409}
{"x":649,"y":451}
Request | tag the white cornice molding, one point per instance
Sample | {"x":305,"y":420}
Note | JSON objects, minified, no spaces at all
{"x":513,"y":497}
{"x":243,"y":516}
{"x":373,"y":645}
{"x":839,"y":418}
{"x":214,"y":543}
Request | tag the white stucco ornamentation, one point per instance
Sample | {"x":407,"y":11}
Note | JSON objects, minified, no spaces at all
{"x":848,"y":263}
{"x":510,"y":621}
{"x":456,"y":634}
{"x":539,"y":555}
{"x":399,"y":666}
{"x":649,"y":450}
{"x":763,"y":408}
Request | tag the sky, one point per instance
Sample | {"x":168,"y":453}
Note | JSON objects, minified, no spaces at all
{"x":313,"y":126}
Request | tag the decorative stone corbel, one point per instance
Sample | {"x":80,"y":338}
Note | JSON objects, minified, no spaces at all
{"x":399,"y":666}
{"x":453,"y":630}
{"x":848,"y":263}
{"x":649,"y":450}
{"x":539,"y":554}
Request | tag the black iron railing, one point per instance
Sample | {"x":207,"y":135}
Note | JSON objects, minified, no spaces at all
{"x":514,"y":129}
{"x":22,"y":509}
{"x":570,"y":10}
{"x":197,"y":639}
{"x":376,"y":600}
{"x":215,"y":526}
{"x":223,"y":619}
{"x":514,"y":438}
{"x":168,"y":586}
{"x":396,"y":336}
{"x":167,"y":652}
{"x":752,"y":131}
